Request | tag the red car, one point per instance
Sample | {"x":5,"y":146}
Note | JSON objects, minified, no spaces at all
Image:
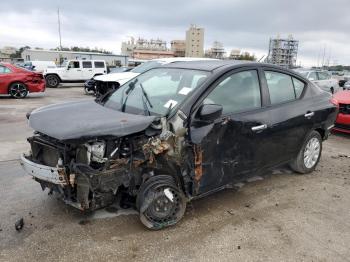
{"x":18,"y":82}
{"x":342,"y":124}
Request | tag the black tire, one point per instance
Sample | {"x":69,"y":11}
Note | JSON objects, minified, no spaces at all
{"x":52,"y":81}
{"x":160,"y":202}
{"x":18,"y":90}
{"x":302,"y":164}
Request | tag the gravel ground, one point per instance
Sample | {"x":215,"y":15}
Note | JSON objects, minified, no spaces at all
{"x":284,"y":217}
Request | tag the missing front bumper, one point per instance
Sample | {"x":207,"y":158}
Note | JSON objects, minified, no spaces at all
{"x":53,"y":175}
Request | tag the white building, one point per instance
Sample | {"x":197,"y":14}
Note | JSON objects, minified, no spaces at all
{"x":57,"y":56}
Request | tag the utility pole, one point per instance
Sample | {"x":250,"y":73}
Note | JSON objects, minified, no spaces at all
{"x":59,"y":27}
{"x":59,"y":33}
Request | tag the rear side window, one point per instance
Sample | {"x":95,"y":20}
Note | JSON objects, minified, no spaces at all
{"x":4,"y":70}
{"x":99,"y":64}
{"x":280,"y":87}
{"x":87,"y":64}
{"x":323,"y":76}
{"x":237,"y":92}
{"x":298,"y":87}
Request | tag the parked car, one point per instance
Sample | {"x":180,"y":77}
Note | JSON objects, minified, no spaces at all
{"x":106,"y":83}
{"x":39,"y":66}
{"x":18,"y":82}
{"x":89,"y":85}
{"x":178,"y":132}
{"x":321,"y":78}
{"x":74,"y":71}
{"x":346,"y":85}
{"x":342,"y":123}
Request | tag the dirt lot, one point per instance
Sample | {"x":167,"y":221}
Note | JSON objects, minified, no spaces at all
{"x":285,"y":217}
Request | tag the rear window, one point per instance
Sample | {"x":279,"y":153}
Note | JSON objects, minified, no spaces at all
{"x":99,"y":64}
{"x":87,"y":64}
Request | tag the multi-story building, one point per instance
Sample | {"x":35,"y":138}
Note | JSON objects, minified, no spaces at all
{"x":146,"y":49}
{"x":283,"y":51}
{"x":178,"y":47}
{"x":194,"y":42}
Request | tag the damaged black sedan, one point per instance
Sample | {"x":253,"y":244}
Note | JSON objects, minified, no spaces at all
{"x":176,"y":133}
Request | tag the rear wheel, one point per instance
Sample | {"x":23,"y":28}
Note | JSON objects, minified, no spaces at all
{"x":160,"y":202}
{"x":18,"y":90}
{"x":309,"y":155}
{"x":52,"y":81}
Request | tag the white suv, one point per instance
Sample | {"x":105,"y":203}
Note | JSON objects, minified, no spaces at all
{"x":321,"y":78}
{"x":74,"y":71}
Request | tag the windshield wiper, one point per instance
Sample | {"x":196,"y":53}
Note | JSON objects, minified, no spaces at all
{"x":127,"y":92}
{"x":169,"y":110}
{"x":146,"y":95}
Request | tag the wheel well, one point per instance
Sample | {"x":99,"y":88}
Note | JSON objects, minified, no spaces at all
{"x":321,"y":131}
{"x":8,"y":87}
{"x":53,"y":75}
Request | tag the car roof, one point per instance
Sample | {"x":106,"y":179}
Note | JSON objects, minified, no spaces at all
{"x":182,"y":59}
{"x":209,"y":65}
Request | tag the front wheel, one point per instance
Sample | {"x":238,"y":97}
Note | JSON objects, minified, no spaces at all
{"x":52,"y":81}
{"x":160,"y":202}
{"x":18,"y":90}
{"x":309,"y":154}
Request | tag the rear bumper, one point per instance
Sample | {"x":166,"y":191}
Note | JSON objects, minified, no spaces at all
{"x":36,"y":87}
{"x":49,"y":174}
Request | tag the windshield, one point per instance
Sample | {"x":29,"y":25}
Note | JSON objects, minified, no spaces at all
{"x":146,"y":66}
{"x":158,"y":90}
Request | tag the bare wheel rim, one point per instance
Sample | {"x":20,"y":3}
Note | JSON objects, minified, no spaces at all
{"x":18,"y":90}
{"x":52,"y":81}
{"x":312,"y":152}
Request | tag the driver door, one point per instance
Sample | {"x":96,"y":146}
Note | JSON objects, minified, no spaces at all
{"x":228,"y":148}
{"x":73,"y":71}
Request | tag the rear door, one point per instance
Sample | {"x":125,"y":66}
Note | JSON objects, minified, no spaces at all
{"x":73,"y":71}
{"x":289,"y":117}
{"x":87,"y":70}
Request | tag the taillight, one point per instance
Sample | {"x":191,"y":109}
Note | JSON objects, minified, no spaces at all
{"x":334,"y":102}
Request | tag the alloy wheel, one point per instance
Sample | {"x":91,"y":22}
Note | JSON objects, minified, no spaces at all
{"x":18,"y":90}
{"x":312,"y":152}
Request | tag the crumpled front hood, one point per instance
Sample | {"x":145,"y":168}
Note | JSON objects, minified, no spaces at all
{"x":84,"y":119}
{"x":116,"y":77}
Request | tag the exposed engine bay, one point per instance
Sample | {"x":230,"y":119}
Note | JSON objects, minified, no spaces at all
{"x":93,"y":173}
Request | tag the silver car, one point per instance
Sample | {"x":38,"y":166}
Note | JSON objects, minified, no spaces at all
{"x":321,"y":78}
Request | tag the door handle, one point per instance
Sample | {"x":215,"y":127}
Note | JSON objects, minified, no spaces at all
{"x":309,"y":114}
{"x":259,"y":128}
{"x":78,"y":70}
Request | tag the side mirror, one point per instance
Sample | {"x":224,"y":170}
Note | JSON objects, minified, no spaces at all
{"x":209,"y":112}
{"x":68,"y":67}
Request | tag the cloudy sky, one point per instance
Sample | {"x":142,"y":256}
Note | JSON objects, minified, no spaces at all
{"x":323,"y":27}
